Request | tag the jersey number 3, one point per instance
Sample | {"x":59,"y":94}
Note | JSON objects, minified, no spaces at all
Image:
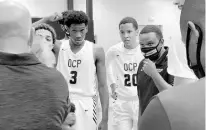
{"x":73,"y":79}
{"x":127,"y":80}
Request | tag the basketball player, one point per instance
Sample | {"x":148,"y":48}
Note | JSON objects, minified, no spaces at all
{"x":43,"y":47}
{"x":30,"y":98}
{"x":155,"y":53}
{"x":48,"y":56}
{"x":183,"y":107}
{"x":83,"y":64}
{"x":59,"y":18}
{"x":122,"y":63}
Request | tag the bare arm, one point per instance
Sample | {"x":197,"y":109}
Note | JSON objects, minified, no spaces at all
{"x":180,"y":80}
{"x":52,"y":18}
{"x":43,"y":20}
{"x":160,"y":82}
{"x":151,"y":70}
{"x":102,"y":83}
{"x":110,"y":74}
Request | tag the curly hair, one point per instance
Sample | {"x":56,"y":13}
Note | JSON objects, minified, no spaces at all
{"x":64,"y":14}
{"x":48,"y":28}
{"x":75,"y":17}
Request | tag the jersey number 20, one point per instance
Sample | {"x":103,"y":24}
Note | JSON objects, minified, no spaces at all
{"x":73,"y":79}
{"x":130,"y":78}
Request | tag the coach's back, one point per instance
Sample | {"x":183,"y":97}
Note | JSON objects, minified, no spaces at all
{"x":32,"y":96}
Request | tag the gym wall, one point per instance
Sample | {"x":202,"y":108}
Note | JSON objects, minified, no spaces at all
{"x":108,"y":13}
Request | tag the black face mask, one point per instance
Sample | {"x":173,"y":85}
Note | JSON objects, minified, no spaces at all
{"x":151,"y":52}
{"x":197,"y":69}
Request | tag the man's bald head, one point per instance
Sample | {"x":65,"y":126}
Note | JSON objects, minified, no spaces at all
{"x":193,"y":12}
{"x":15,"y":20}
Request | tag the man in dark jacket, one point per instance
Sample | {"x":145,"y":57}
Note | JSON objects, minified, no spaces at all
{"x":155,"y":53}
{"x":183,"y":107}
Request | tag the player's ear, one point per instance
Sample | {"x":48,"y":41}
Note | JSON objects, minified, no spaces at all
{"x":137,"y":32}
{"x":162,"y":41}
{"x":86,"y":29}
{"x":194,"y":31}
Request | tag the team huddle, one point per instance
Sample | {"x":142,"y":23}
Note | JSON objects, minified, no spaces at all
{"x":57,"y":84}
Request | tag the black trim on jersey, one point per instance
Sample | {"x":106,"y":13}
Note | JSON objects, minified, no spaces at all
{"x":94,"y":110}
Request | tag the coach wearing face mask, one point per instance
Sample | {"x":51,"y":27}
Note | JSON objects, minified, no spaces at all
{"x":155,"y":53}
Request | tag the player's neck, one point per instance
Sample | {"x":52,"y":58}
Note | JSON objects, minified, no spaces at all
{"x":75,"y":48}
{"x":74,"y":45}
{"x":131,"y":46}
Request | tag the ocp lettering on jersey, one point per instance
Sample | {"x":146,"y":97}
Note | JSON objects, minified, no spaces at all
{"x":130,"y":66}
{"x":74,"y":63}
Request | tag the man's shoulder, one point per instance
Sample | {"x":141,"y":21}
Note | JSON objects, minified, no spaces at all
{"x":96,"y":47}
{"x":56,"y":82}
{"x":98,"y":50}
{"x":185,"y":103}
{"x":51,"y":75}
{"x":55,"y":74}
{"x":187,"y":95}
{"x":58,"y":43}
{"x":115,"y":47}
{"x":181,"y":90}
{"x":140,"y":64}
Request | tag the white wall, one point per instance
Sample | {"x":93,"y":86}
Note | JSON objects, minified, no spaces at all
{"x":41,"y":8}
{"x":80,"y":5}
{"x":108,"y":13}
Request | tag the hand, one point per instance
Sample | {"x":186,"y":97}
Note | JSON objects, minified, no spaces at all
{"x":36,"y":46}
{"x":42,"y":51}
{"x":114,"y":93}
{"x":70,"y":120}
{"x":149,"y":67}
{"x":103,"y":125}
{"x":54,"y":17}
{"x":39,"y":44}
{"x":66,"y":127}
{"x":72,"y":107}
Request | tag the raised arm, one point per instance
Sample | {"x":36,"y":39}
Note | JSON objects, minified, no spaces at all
{"x":52,"y":18}
{"x":150,"y":69}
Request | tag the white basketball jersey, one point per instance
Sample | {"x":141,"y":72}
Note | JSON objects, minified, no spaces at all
{"x":78,"y":69}
{"x":125,"y":64}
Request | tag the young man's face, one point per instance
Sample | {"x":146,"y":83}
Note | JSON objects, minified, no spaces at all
{"x":128,"y":33}
{"x":77,"y":33}
{"x":149,"y":40}
{"x":42,"y":41}
{"x":150,"y":45}
{"x":47,"y":39}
